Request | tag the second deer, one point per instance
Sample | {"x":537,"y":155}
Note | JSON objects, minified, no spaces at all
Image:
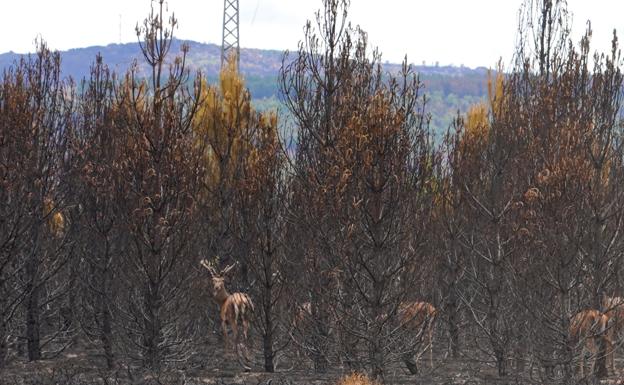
{"x":590,"y":329}
{"x":418,"y":319}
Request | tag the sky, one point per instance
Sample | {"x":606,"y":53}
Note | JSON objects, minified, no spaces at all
{"x":458,"y":32}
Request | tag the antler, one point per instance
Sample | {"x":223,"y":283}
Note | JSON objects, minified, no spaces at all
{"x":209,"y":267}
{"x":227,"y":269}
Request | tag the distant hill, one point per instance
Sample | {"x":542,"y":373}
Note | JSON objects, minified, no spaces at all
{"x":448,"y":88}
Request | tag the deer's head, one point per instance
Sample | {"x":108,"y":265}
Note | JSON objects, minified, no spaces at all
{"x":218,"y":279}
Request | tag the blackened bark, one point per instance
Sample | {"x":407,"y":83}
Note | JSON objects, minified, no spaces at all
{"x":269,"y":354}
{"x":4,"y":348}
{"x":453,"y":321}
{"x":32,"y":311}
{"x":151,"y":331}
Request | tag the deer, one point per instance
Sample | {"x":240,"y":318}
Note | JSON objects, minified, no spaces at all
{"x":588,"y":330}
{"x":235,"y":310}
{"x":613,"y":307}
{"x":418,"y":317}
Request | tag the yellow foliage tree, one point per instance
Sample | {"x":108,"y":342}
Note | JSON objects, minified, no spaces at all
{"x":243,"y":188}
{"x":478,"y":118}
{"x":224,"y":125}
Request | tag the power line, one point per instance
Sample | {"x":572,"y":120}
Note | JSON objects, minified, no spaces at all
{"x":230,"y":47}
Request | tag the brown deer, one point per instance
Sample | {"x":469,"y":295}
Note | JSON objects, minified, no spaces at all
{"x":590,"y":329}
{"x":613,"y":307}
{"x":236,"y":310}
{"x":419,"y":318}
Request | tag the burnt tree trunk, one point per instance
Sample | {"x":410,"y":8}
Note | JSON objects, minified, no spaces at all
{"x":269,"y":354}
{"x":32,"y":309}
{"x":600,"y":367}
{"x":106,"y":337}
{"x":4,"y":348}
{"x":151,"y":331}
{"x":320,"y":337}
{"x":267,"y":339}
{"x":452,"y":308}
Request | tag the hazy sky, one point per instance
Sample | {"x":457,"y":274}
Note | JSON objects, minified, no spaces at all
{"x":469,"y":32}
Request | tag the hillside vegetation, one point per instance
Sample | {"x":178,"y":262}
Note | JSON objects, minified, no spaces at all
{"x":449,"y":89}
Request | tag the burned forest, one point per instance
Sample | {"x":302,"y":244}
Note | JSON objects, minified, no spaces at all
{"x":156,"y":228}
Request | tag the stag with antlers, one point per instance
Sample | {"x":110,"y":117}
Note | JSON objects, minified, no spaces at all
{"x":236,"y":310}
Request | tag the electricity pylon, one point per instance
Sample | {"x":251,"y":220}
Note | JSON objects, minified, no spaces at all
{"x":229,"y":44}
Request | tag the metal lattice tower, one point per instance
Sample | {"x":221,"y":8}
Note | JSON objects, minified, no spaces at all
{"x":229,"y":44}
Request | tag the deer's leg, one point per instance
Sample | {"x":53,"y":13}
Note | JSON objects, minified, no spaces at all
{"x":239,"y":348}
{"x":431,"y":347}
{"x":578,"y":366}
{"x":581,"y":363}
{"x":236,"y":341}
{"x":234,"y":328}
{"x":585,"y":352}
{"x":610,"y":353}
{"x":418,"y":351}
{"x":245,"y":328}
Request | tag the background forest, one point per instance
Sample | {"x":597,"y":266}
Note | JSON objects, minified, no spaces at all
{"x":352,"y":230}
{"x":449,"y":88}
